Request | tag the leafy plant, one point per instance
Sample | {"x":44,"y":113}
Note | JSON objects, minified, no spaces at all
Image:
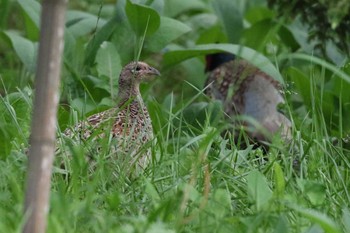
{"x":198,"y":181}
{"x":327,"y":20}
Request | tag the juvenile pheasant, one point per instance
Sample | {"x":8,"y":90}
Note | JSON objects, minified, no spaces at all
{"x":127,"y":125}
{"x":246,"y":90}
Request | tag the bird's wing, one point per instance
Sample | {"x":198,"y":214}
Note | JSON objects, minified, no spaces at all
{"x":261,"y":99}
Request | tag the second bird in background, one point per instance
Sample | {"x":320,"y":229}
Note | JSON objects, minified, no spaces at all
{"x":246,"y":91}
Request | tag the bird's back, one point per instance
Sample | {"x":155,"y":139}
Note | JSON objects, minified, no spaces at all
{"x":128,"y":128}
{"x":246,"y":90}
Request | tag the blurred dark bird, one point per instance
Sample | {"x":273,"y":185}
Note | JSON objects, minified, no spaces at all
{"x":245,"y":90}
{"x":128,"y":124}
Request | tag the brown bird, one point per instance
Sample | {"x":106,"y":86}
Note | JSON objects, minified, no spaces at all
{"x":245,"y":90}
{"x":127,"y":125}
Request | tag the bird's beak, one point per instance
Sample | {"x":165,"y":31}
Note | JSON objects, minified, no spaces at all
{"x":154,"y":71}
{"x":150,"y":74}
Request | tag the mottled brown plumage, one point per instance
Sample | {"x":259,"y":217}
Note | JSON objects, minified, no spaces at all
{"x":246,"y":90}
{"x":128,"y":124}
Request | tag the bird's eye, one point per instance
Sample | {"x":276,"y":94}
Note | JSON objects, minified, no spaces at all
{"x":136,"y":69}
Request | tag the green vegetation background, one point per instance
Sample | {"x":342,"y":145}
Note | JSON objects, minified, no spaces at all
{"x":198,"y":181}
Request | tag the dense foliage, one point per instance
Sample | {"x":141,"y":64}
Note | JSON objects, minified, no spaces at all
{"x":326,"y":20}
{"x":199,"y":181}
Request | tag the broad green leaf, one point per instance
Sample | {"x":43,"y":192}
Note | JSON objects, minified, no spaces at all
{"x":256,"y":14}
{"x":212,"y":35}
{"x":287,"y":38}
{"x":231,"y":18}
{"x":151,"y":191}
{"x":99,"y":87}
{"x":202,"y":21}
{"x":123,"y":37}
{"x":300,"y":33}
{"x":315,"y":191}
{"x":258,"y":190}
{"x":73,"y":16}
{"x":265,"y":28}
{"x":169,"y":30}
{"x":317,"y":61}
{"x":25,"y":49}
{"x":70,"y":46}
{"x":83,"y":106}
{"x":125,"y":42}
{"x":32,"y":10}
{"x":102,"y":35}
{"x":108,"y":61}
{"x":302,"y":83}
{"x":120,"y":10}
{"x":327,"y":224}
{"x":158,"y":5}
{"x":193,"y":194}
{"x":159,"y":227}
{"x":173,"y":8}
{"x":143,"y":19}
{"x":313,"y":90}
{"x":107,"y":101}
{"x":4,"y":11}
{"x":197,"y":114}
{"x":341,"y":88}
{"x":279,"y":179}
{"x":337,"y":56}
{"x":80,"y":24}
{"x":255,"y":58}
{"x":194,"y":70}
{"x":282,"y":225}
{"x":221,"y":203}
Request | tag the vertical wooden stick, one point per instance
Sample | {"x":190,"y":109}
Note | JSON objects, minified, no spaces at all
{"x":42,"y":139}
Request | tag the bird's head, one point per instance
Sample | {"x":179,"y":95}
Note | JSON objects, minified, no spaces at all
{"x":136,"y":72}
{"x":215,"y":60}
{"x":132,"y":75}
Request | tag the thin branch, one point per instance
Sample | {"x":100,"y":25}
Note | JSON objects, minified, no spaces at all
{"x":42,"y":139}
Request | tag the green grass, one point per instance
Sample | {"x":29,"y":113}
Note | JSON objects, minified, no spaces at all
{"x":197,"y":182}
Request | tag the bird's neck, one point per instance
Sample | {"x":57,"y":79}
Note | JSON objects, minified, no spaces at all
{"x":130,"y":96}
